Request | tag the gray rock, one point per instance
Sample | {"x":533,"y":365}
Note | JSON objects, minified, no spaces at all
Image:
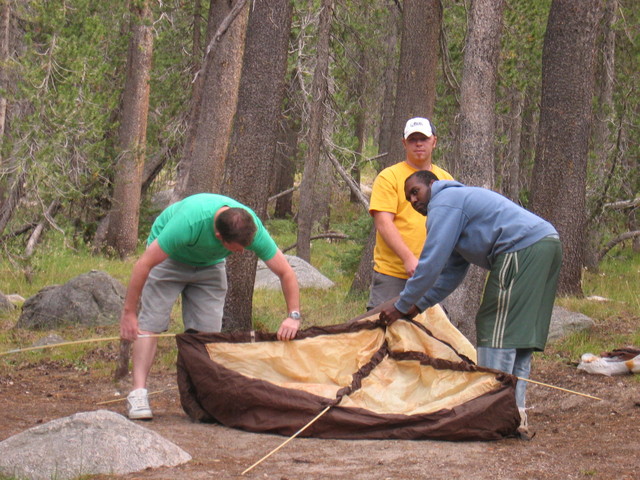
{"x":161,"y":200}
{"x":15,"y":298}
{"x":5,"y":303}
{"x":50,"y":339}
{"x":90,"y":299}
{"x":88,"y":443}
{"x":308,"y":276}
{"x":565,"y":322}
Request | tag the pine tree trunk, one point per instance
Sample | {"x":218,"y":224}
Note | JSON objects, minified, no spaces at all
{"x":212,"y":119}
{"x":416,"y":85}
{"x":5,"y":29}
{"x":390,"y":79}
{"x":476,"y":148}
{"x":603,"y":142}
{"x":559,"y":179}
{"x":252,"y":148}
{"x":309,"y":203}
{"x":122,"y":233}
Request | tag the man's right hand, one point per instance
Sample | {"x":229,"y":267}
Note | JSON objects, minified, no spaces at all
{"x":129,"y":326}
{"x":410,"y":265}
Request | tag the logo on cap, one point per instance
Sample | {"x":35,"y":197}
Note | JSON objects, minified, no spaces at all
{"x":418,"y":124}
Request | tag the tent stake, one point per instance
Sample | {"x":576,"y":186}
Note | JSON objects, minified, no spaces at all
{"x":558,"y":388}
{"x":288,"y":440}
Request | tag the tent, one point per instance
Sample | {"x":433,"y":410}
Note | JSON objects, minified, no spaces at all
{"x":410,"y":380}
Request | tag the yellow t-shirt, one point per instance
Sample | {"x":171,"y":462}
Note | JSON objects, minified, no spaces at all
{"x":388,"y":196}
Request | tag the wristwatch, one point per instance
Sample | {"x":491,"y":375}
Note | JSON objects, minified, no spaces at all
{"x":295,"y":315}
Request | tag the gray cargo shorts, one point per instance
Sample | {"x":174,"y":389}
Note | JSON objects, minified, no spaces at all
{"x":383,"y":288}
{"x":203,"y":292}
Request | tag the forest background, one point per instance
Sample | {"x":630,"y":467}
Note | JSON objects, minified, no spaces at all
{"x":292,"y":107}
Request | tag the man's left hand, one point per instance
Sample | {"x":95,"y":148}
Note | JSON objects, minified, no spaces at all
{"x":288,"y":329}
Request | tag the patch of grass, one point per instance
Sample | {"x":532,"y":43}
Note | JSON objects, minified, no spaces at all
{"x":589,"y":473}
{"x":612,"y":300}
{"x":55,"y":263}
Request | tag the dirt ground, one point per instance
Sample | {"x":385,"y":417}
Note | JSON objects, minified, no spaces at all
{"x":576,"y":437}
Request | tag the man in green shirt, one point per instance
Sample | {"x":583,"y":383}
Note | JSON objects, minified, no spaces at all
{"x":185,"y":255}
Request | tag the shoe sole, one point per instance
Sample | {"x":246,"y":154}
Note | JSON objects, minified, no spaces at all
{"x":138,"y":416}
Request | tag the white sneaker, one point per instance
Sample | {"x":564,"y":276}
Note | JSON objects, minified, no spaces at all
{"x":139,"y":405}
{"x":523,"y":430}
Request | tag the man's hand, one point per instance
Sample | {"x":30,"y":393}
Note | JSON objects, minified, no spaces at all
{"x":129,"y":326}
{"x":288,"y":329}
{"x":410,"y":265}
{"x":391,"y":314}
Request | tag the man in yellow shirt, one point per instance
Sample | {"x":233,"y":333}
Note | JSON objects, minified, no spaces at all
{"x":400,"y":230}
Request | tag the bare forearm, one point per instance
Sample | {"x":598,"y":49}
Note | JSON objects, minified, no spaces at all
{"x":291,"y":291}
{"x":392,"y":237}
{"x":138,"y":278}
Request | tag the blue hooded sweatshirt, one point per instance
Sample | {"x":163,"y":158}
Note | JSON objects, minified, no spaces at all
{"x":466,"y":225}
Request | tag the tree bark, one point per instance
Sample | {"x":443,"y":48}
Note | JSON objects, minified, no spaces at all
{"x":252,"y":147}
{"x":416,"y":85}
{"x":604,"y":144}
{"x":9,"y":204}
{"x":354,"y":186}
{"x":476,"y":148}
{"x":385,"y":136}
{"x":559,"y":177}
{"x":319,"y":91}
{"x":364,"y":273}
{"x":210,"y":129}
{"x":360,"y":128}
{"x":285,"y":169}
{"x":509,"y":169}
{"x":122,"y":234}
{"x":5,"y":29}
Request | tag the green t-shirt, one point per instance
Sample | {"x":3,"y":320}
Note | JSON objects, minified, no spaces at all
{"x":185,"y":231}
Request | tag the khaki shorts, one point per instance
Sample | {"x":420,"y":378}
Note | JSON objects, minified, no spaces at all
{"x":203,"y":291}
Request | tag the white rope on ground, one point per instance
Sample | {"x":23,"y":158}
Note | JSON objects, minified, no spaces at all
{"x":288,"y":440}
{"x":558,"y":388}
{"x":106,"y":402}
{"x":79,"y":342}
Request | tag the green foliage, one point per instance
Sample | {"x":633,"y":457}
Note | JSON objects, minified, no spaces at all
{"x":65,"y":74}
{"x":55,"y":263}
{"x":68,"y":71}
{"x":358,"y":230}
{"x":616,"y":317}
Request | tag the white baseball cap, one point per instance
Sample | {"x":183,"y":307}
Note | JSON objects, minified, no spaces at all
{"x":421,"y":125}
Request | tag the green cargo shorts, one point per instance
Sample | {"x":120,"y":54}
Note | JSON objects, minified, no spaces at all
{"x":518,"y":297}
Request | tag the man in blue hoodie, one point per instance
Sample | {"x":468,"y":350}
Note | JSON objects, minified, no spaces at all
{"x":471,"y":225}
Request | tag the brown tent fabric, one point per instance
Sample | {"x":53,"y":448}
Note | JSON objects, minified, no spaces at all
{"x":410,"y":380}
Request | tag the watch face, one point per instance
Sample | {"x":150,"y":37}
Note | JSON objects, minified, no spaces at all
{"x":295,"y":315}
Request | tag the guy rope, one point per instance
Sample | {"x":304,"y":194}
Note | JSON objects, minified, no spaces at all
{"x":80,"y":342}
